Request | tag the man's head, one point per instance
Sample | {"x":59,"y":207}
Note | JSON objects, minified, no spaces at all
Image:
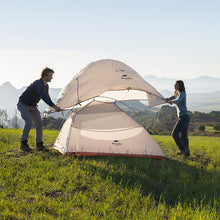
{"x":47,"y":74}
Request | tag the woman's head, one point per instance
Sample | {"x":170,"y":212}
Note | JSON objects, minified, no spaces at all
{"x":179,"y":86}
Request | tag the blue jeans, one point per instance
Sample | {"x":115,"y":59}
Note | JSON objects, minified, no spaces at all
{"x":29,"y":113}
{"x":181,"y":127}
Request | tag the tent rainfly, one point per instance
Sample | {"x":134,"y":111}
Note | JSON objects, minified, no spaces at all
{"x":102,"y":128}
{"x":107,"y":78}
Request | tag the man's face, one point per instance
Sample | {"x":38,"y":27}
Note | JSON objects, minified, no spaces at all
{"x":48,"y":77}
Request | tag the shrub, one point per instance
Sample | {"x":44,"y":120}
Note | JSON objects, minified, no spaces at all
{"x":217,"y":127}
{"x":201,"y":128}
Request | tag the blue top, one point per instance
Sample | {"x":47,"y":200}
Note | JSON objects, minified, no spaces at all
{"x":35,"y":92}
{"x":180,"y":102}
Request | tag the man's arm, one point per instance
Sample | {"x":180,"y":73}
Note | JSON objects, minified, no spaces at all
{"x":46,"y":98}
{"x":57,"y":109}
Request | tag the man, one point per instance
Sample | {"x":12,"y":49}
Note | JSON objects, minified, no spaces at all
{"x":27,"y":105}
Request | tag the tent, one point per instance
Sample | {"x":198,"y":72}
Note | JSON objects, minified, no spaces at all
{"x":107,"y":78}
{"x":103,"y":128}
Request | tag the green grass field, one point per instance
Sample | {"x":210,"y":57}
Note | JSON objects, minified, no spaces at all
{"x":211,"y":129}
{"x":47,"y":185}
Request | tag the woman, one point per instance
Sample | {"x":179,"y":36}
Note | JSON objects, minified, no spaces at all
{"x":182,"y":124}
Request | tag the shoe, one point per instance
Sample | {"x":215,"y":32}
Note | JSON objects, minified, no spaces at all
{"x":41,"y":147}
{"x":24,"y":146}
{"x":185,"y":151}
{"x":188,"y":153}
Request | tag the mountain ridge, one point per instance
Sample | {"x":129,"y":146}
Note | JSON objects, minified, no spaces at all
{"x":199,"y":84}
{"x":198,"y":97}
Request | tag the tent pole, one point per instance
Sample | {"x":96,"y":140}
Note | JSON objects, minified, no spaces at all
{"x":68,"y":136}
{"x":162,"y":145}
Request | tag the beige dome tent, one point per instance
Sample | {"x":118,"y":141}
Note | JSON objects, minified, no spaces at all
{"x":103,"y":128}
{"x":107,"y":78}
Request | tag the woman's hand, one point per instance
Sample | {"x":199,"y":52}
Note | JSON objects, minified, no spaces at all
{"x":176,"y":93}
{"x":170,"y":102}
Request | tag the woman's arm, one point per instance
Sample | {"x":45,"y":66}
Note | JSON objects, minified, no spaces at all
{"x":171,"y":98}
{"x":180,"y":98}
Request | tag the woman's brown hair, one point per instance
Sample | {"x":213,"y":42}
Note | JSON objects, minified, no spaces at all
{"x":181,"y":86}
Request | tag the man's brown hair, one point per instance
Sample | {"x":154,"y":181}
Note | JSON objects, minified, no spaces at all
{"x":45,"y":71}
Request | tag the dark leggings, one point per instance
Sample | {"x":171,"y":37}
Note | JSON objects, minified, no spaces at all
{"x":181,"y":127}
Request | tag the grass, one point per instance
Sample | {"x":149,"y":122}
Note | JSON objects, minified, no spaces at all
{"x":211,"y":129}
{"x":47,"y":185}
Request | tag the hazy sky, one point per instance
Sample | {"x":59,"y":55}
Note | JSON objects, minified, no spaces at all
{"x":165,"y":38}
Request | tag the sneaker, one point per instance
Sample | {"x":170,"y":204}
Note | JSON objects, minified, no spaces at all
{"x":185,"y":151}
{"x":41,"y":147}
{"x":188,"y":153}
{"x":24,"y":146}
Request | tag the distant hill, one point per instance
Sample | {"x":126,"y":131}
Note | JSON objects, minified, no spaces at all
{"x":9,"y":97}
{"x":203,"y":102}
{"x":203,"y":84}
{"x":203,"y":94}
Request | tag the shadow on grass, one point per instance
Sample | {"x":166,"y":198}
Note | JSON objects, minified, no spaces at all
{"x":168,"y":181}
{"x":18,"y":153}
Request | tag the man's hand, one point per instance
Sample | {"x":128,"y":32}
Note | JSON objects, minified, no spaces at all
{"x":57,"y":109}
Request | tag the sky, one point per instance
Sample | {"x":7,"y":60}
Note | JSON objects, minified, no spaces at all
{"x":164,"y":38}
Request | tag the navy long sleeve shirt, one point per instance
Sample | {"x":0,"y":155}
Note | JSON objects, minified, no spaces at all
{"x":35,"y":92}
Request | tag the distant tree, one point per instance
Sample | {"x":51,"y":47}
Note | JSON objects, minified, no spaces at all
{"x":3,"y":118}
{"x":201,"y":128}
{"x":166,"y":118}
{"x":217,"y":127}
{"x":215,"y":114}
{"x":163,"y":121}
{"x":53,"y":123}
{"x":14,"y":120}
